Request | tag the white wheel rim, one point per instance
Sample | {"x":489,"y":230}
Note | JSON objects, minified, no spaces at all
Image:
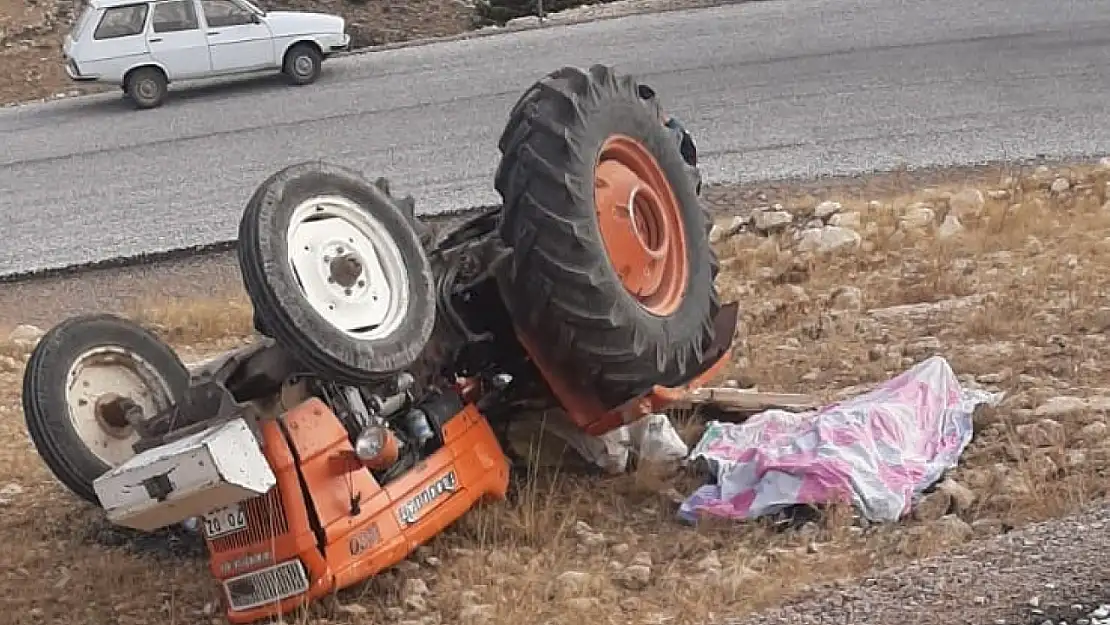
{"x":366,"y":293}
{"x":148,"y":90}
{"x":93,"y":379}
{"x":302,"y":65}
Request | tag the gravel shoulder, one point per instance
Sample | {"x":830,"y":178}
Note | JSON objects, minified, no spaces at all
{"x":1048,"y":572}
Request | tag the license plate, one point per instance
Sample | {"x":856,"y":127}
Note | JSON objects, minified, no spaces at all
{"x":225,"y":521}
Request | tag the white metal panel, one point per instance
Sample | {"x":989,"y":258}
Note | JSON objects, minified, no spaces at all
{"x":207,"y":470}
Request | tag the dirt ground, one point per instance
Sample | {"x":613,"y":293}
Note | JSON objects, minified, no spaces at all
{"x":999,"y":270}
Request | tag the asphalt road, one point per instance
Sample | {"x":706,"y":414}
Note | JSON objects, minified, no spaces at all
{"x":770,"y":89}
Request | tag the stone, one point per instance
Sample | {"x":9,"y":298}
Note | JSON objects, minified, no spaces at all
{"x":828,"y":239}
{"x":962,"y":497}
{"x":25,"y":335}
{"x":1060,"y":185}
{"x":987,"y":527}
{"x":771,"y":221}
{"x":572,"y":583}
{"x":923,"y":348}
{"x":917,"y":216}
{"x":470,"y":597}
{"x":1043,"y":176}
{"x":11,"y":488}
{"x":634,"y":577}
{"x":416,"y":603}
{"x":932,"y":506}
{"x":950,"y":227}
{"x":414,"y":586}
{"x":992,"y":378}
{"x":1092,"y":433}
{"x":580,"y":604}
{"x":587,"y":536}
{"x":850,"y":219}
{"x":1042,"y":433}
{"x":710,"y":563}
{"x":846,"y":298}
{"x":967,"y":203}
{"x":952,"y":530}
{"x":1060,"y":406}
{"x":826,"y":209}
{"x":630,"y":604}
{"x":477,"y":613}
{"x":721,"y":231}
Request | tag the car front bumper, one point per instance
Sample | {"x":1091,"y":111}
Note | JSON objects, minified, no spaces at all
{"x":341,"y":43}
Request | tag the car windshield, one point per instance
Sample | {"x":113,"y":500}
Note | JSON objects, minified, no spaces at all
{"x":82,"y":21}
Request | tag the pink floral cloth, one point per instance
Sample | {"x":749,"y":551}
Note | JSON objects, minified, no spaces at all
{"x":878,"y":450}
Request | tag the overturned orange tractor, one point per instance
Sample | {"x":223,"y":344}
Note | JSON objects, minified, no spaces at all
{"x":368,"y":415}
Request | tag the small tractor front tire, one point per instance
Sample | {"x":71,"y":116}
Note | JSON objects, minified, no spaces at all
{"x":56,"y":423}
{"x":284,"y":308}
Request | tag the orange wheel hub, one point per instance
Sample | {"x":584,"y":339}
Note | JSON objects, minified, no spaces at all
{"x":641,"y":224}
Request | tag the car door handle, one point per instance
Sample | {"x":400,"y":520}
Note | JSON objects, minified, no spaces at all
{"x":213,"y":32}
{"x":156,"y":40}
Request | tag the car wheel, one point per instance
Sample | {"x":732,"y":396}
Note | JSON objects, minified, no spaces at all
{"x":147,"y":87}
{"x":303,"y":64}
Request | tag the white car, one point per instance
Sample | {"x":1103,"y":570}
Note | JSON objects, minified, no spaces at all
{"x":143,"y":45}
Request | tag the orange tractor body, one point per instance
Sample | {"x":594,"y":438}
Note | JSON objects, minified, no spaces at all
{"x":328,"y":524}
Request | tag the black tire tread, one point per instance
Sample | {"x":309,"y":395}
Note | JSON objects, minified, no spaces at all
{"x":561,"y":282}
{"x":137,"y":74}
{"x":311,"y":50}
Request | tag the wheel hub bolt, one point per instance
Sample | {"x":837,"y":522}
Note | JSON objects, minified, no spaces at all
{"x":345,"y":270}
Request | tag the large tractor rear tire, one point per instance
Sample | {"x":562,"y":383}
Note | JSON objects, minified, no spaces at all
{"x":611,"y":274}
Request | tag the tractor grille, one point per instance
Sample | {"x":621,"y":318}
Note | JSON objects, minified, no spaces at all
{"x":265,"y":521}
{"x":266,"y":586}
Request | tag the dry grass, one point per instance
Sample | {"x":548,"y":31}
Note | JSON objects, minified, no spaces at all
{"x":1036,"y":262}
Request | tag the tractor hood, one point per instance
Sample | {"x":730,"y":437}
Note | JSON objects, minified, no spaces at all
{"x":286,"y":23}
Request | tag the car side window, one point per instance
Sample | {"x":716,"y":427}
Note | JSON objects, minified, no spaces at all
{"x":225,"y":13}
{"x":174,"y":16}
{"x":122,"y":21}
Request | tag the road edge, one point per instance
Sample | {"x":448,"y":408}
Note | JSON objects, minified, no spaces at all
{"x":223,"y":247}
